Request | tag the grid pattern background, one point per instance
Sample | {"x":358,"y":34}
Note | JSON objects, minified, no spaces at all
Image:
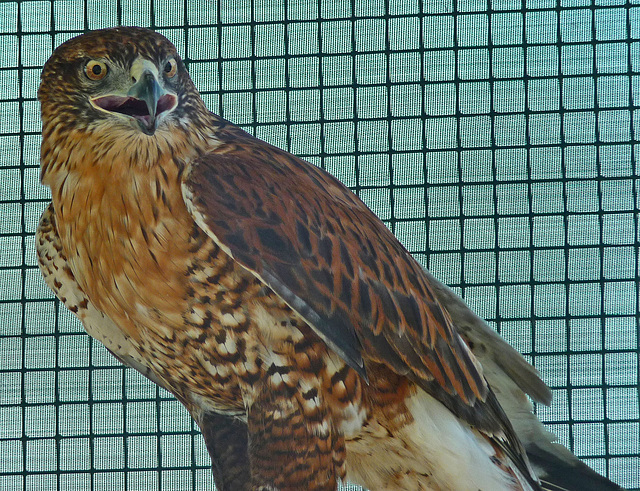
{"x":511,"y":124}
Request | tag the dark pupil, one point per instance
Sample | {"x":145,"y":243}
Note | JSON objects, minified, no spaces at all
{"x":96,"y":69}
{"x":167,"y":67}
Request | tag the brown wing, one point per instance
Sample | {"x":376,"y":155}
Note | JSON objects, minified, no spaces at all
{"x":333,"y":261}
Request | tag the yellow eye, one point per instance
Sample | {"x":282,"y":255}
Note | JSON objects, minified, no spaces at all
{"x":95,"y":69}
{"x":170,"y":68}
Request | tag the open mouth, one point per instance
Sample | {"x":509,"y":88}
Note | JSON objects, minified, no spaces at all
{"x":135,"y":108}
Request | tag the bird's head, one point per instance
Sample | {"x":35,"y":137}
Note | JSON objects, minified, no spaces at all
{"x":128,"y":77}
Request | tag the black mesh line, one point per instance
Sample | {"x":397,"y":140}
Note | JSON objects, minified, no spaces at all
{"x":511,"y":125}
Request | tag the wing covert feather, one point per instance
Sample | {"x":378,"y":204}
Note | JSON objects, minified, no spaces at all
{"x":333,"y":261}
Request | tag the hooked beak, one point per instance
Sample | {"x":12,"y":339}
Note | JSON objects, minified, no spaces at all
{"x":145,"y":101}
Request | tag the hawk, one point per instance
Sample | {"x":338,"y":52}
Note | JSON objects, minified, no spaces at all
{"x":304,"y":340}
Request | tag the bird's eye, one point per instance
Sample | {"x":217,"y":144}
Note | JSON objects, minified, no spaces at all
{"x":95,"y":69}
{"x":170,"y":68}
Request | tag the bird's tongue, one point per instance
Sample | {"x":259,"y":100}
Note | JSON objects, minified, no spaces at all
{"x":136,"y":108}
{"x":124,"y":105}
{"x":166,"y":103}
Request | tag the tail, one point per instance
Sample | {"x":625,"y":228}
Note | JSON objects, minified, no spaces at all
{"x":558,"y":474}
{"x":511,"y":377}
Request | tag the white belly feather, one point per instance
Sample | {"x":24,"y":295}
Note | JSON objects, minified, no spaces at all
{"x":437,"y":451}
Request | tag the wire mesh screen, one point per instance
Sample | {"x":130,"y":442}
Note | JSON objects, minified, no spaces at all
{"x":497,"y":140}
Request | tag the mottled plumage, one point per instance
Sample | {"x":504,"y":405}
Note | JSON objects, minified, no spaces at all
{"x":305,"y":341}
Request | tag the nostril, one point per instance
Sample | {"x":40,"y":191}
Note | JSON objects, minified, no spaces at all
{"x":134,"y":79}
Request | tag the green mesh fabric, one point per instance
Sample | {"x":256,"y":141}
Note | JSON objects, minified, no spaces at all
{"x":498,"y":140}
